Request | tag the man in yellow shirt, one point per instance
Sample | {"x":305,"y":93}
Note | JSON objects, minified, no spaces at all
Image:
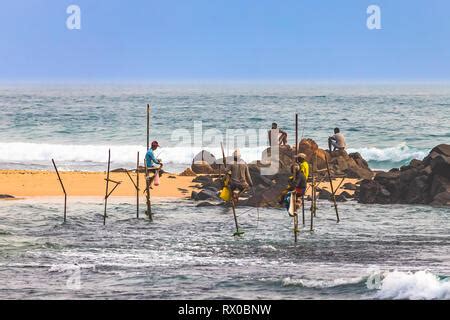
{"x":302,"y":164}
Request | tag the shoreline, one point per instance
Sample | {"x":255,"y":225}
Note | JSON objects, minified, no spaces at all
{"x":23,"y":184}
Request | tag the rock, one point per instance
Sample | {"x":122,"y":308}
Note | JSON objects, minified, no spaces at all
{"x":341,"y":198}
{"x":208,"y":204}
{"x":420,"y":182}
{"x":415,"y":163}
{"x":358,"y":173}
{"x":205,"y":156}
{"x":257,"y":178}
{"x":439,"y":184}
{"x":203,"y":179}
{"x":347,"y":195}
{"x":206,"y":195}
{"x":359,"y":160}
{"x":440,"y":165}
{"x":370,"y":191}
{"x":171,"y":177}
{"x":443,"y":149}
{"x":202,"y":167}
{"x":441,"y":199}
{"x":6,"y":196}
{"x":349,"y":186}
{"x":194,"y":195}
{"x":324,"y":194}
{"x":285,"y":157}
{"x":188,"y":173}
{"x":426,"y":171}
{"x":384,"y":177}
{"x":120,"y":170}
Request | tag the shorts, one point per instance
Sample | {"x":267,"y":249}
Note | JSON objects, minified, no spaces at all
{"x":300,"y":191}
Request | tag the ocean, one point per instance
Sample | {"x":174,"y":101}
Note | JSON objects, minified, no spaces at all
{"x":76,"y":125}
{"x":376,"y":252}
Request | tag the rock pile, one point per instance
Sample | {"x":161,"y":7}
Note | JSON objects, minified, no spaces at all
{"x":420,"y":182}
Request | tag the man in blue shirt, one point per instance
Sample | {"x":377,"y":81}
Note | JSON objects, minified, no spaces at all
{"x":153,"y":164}
{"x":150,"y":158}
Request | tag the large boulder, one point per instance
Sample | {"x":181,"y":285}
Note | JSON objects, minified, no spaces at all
{"x":205,"y":156}
{"x":285,"y":157}
{"x":440,"y":165}
{"x":372,"y":191}
{"x":202,"y":167}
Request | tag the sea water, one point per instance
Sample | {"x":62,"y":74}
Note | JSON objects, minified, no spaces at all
{"x":376,"y":252}
{"x":388,"y":124}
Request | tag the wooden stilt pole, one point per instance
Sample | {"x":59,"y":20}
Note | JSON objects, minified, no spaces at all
{"x":315,"y":185}
{"x":303,"y":210}
{"x":333,"y":197}
{"x":107,"y":186}
{"x":147,"y":191}
{"x":294,"y":194}
{"x":64,"y":190}
{"x":313,"y":196}
{"x":238,"y":233}
{"x":148,"y":127}
{"x":137,"y":186}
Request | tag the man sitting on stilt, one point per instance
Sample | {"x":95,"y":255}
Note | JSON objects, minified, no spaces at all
{"x":153,"y":164}
{"x":240,"y":176}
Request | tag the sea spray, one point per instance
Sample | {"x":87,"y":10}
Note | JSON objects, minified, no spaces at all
{"x":420,"y":285}
{"x":73,"y":157}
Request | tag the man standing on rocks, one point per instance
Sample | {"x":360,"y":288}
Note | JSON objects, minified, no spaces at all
{"x":240,"y":176}
{"x":337,"y":141}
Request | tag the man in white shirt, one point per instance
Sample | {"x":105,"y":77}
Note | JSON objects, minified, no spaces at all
{"x":337,"y":141}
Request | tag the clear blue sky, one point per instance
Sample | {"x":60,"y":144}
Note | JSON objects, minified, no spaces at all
{"x":225,"y":40}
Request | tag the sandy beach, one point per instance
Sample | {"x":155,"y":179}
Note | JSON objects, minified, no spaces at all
{"x":27,"y":183}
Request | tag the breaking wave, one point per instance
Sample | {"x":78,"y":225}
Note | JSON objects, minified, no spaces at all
{"x":387,"y":158}
{"x":31,"y":153}
{"x":420,"y":285}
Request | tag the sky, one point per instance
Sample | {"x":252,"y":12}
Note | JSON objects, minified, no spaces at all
{"x":165,"y":40}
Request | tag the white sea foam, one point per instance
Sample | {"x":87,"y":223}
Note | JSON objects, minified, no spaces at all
{"x":34,"y":152}
{"x":31,"y":153}
{"x":421,"y":285}
{"x":310,"y":283}
{"x":399,"y":153}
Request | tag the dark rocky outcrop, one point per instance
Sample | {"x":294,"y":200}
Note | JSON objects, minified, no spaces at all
{"x":420,"y":182}
{"x":6,"y":196}
{"x":267,"y":189}
{"x":205,"y":194}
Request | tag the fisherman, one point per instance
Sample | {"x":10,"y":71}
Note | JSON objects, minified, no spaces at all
{"x":153,"y":164}
{"x":337,"y":141}
{"x":298,"y":180}
{"x":280,"y":134}
{"x":240,"y":176}
{"x":302,"y":165}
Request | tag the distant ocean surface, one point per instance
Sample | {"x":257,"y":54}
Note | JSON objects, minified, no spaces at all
{"x":76,"y":125}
